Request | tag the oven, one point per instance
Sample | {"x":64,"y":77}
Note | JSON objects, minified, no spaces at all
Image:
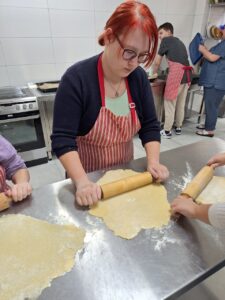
{"x":21,"y":125}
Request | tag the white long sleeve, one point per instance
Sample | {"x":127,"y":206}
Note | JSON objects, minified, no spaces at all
{"x":216,"y":215}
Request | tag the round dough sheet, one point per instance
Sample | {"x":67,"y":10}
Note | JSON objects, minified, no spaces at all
{"x":128,"y":213}
{"x":33,"y":252}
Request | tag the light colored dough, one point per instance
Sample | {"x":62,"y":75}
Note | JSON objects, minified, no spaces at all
{"x":128,"y":213}
{"x":32,"y":253}
{"x":214,"y":192}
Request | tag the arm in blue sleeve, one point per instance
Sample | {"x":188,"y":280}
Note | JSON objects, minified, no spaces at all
{"x":67,"y":115}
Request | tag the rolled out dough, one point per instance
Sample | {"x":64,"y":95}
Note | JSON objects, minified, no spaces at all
{"x":128,"y":213}
{"x":32,"y":253}
{"x":214,"y":192}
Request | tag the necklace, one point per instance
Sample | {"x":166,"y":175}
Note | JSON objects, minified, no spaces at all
{"x":115,"y":89}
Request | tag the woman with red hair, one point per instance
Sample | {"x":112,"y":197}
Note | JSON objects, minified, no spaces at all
{"x":103,"y":101}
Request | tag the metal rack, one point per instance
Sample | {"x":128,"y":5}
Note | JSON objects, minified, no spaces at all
{"x":211,"y":6}
{"x":217,"y":4}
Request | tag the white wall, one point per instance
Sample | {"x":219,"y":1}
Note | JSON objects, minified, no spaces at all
{"x":39,"y":39}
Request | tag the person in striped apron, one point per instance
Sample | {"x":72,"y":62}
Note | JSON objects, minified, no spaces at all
{"x":104,"y":101}
{"x":12,"y":167}
{"x":178,"y":79}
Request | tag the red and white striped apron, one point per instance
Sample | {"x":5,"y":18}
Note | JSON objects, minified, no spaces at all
{"x":3,"y":185}
{"x":176,"y":72}
{"x":110,"y":141}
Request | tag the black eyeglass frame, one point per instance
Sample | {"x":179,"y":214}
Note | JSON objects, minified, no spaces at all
{"x":129,"y":54}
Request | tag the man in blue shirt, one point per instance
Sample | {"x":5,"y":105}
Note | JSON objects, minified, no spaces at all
{"x":212,"y":77}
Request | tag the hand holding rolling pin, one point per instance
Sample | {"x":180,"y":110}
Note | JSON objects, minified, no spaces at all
{"x":185,"y":205}
{"x":21,"y":187}
{"x":217,"y":160}
{"x":88,"y":192}
{"x":19,"y":191}
{"x":158,"y":171}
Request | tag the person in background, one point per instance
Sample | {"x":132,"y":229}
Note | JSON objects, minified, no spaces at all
{"x":213,"y":214}
{"x":103,"y":101}
{"x":212,"y":78}
{"x":178,"y":79}
{"x":12,"y":167}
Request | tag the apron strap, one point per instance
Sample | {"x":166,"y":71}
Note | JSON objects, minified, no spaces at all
{"x":131,"y":103}
{"x":102,"y":90}
{"x":187,"y":69}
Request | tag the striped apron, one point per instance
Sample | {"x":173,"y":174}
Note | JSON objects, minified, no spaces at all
{"x":3,"y":185}
{"x":176,"y":72}
{"x":110,"y":141}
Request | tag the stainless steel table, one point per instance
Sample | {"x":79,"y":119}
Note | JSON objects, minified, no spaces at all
{"x":157,"y":264}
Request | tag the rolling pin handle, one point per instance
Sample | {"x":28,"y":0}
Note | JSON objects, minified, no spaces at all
{"x":199,"y":182}
{"x":5,"y":201}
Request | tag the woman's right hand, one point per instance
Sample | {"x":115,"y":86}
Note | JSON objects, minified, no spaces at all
{"x":87,"y":193}
{"x":217,"y":160}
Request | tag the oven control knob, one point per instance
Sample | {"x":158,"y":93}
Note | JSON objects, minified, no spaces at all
{"x":17,"y":107}
{"x":24,"y":106}
{"x":30,"y":105}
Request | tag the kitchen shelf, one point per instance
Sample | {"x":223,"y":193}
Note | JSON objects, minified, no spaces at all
{"x":221,"y":4}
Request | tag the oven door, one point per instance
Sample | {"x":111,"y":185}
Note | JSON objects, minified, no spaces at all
{"x":26,"y":135}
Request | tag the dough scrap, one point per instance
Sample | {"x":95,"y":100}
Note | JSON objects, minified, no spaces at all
{"x":214,"y":192}
{"x":128,"y":213}
{"x":32,"y":253}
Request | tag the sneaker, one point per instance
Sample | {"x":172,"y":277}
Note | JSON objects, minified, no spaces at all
{"x":200,"y":126}
{"x":178,"y":130}
{"x":205,"y":133}
{"x":166,"y":134}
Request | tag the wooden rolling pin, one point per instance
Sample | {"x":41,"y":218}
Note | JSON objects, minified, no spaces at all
{"x":199,"y":182}
{"x":125,"y":185}
{"x":5,"y":201}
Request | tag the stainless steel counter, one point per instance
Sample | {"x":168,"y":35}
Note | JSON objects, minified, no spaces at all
{"x":157,"y":264}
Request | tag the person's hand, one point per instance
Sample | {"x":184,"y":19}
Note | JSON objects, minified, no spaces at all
{"x":185,"y":206}
{"x":87,"y":193}
{"x":19,"y":191}
{"x":159,"y":172}
{"x":201,"y":48}
{"x":217,"y":160}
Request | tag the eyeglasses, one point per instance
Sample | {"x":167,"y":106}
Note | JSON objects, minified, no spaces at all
{"x":129,"y":54}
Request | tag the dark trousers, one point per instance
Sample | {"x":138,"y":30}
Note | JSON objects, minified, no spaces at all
{"x":212,"y":98}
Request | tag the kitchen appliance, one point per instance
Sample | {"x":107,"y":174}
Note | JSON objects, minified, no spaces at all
{"x":46,"y":100}
{"x":21,"y":125}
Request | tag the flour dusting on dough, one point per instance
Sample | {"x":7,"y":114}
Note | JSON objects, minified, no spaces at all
{"x":162,"y":237}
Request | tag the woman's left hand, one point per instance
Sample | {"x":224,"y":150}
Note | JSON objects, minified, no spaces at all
{"x":158,"y":171}
{"x":19,"y":191}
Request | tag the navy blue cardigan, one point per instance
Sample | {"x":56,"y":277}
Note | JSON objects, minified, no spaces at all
{"x":78,"y":102}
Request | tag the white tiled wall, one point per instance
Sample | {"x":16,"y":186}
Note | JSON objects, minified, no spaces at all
{"x":39,"y":39}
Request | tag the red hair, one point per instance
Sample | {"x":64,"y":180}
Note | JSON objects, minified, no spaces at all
{"x":129,"y":15}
